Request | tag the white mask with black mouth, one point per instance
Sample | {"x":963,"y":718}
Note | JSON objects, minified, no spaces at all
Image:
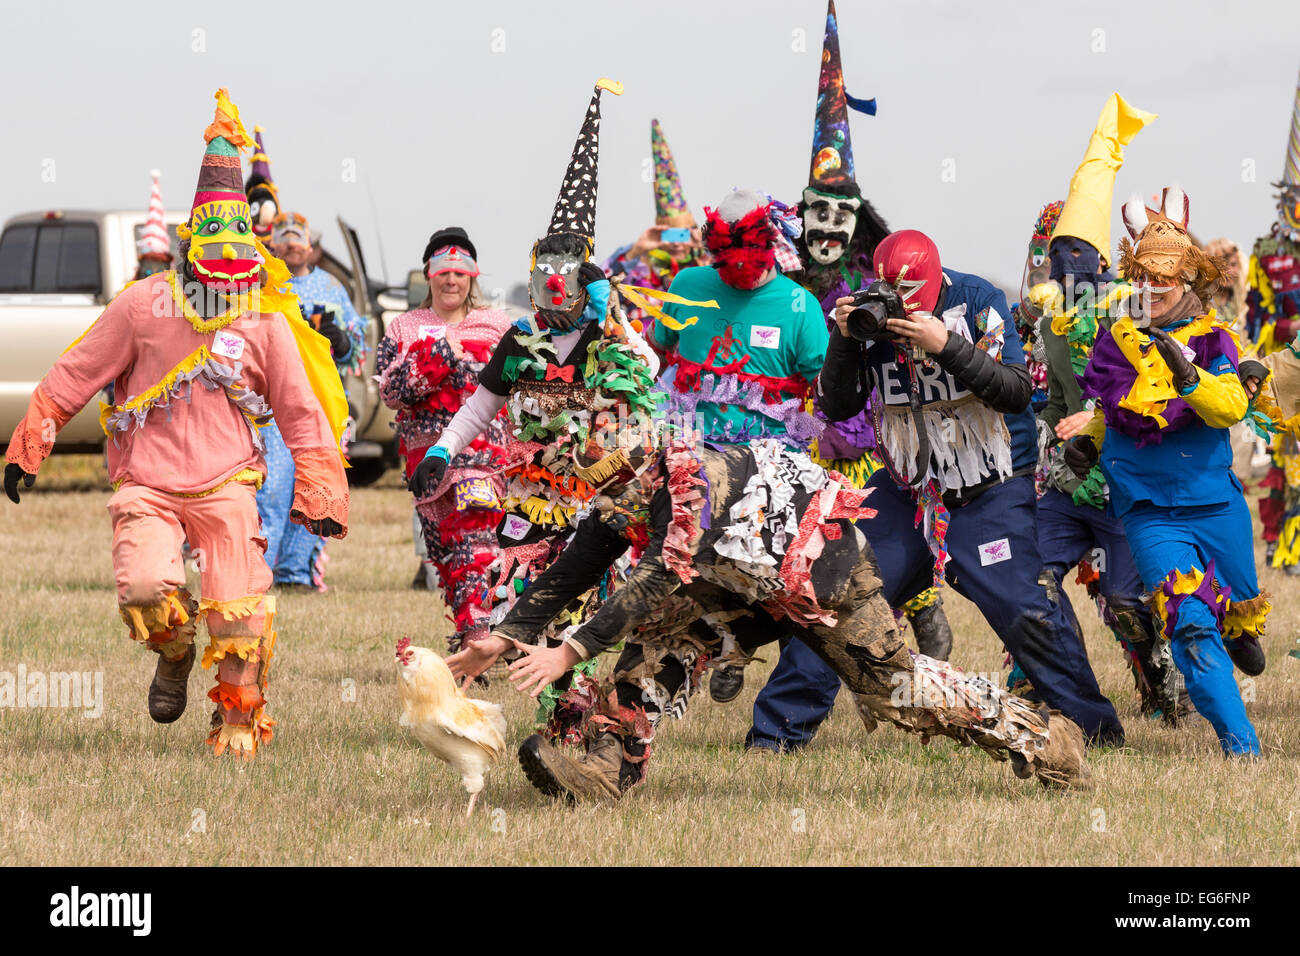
{"x":828,"y":224}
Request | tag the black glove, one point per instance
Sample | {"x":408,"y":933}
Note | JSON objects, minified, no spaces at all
{"x":12,"y":475}
{"x":588,"y":273}
{"x":1184,"y":371}
{"x":1252,"y":369}
{"x":323,"y":527}
{"x":326,"y":323}
{"x":1080,"y":455}
{"x":427,"y":476}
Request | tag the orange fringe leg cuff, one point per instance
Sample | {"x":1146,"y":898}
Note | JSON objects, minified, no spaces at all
{"x":167,"y":627}
{"x":241,"y":723}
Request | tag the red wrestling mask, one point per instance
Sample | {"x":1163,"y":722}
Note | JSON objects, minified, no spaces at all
{"x":909,"y":261}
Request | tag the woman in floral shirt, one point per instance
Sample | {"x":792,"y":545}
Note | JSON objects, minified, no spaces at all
{"x":428,"y":363}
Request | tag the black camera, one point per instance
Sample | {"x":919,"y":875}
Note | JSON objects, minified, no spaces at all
{"x":872,"y":308}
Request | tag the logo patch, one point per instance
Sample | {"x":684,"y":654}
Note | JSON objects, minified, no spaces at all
{"x":764,"y":337}
{"x":428,"y":331}
{"x":995,"y":552}
{"x":515,"y":527}
{"x":227,"y":344}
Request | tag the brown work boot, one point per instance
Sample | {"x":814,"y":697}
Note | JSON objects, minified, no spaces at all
{"x":591,"y":777}
{"x":1061,"y":764}
{"x":170,"y":682}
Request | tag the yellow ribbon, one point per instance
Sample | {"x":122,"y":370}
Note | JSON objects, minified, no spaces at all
{"x":636,"y":295}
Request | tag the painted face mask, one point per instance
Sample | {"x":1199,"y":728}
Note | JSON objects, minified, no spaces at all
{"x":828,"y":224}
{"x":742,"y":250}
{"x":451,"y":259}
{"x":1038,"y":267}
{"x":553,"y":283}
{"x":291,"y":229}
{"x":263,"y":209}
{"x":221,"y":252}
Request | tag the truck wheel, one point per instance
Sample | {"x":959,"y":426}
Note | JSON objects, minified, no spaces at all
{"x":366,"y":471}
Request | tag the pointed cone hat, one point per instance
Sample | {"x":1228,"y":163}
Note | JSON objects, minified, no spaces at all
{"x":259,"y":173}
{"x":220,"y":178}
{"x":575,"y":209}
{"x":832,"y":150}
{"x":154,"y":240}
{"x":670,"y":204}
{"x":1086,"y":214}
{"x":1291,"y":168}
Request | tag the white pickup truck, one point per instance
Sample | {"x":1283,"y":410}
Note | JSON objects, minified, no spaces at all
{"x":59,"y":269}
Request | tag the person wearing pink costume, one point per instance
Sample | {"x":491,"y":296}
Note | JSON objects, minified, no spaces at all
{"x":428,"y":365}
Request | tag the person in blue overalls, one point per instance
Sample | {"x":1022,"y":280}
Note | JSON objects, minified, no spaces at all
{"x":1166,"y":387}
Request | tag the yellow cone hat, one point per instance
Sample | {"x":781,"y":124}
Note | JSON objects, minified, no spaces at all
{"x":1087,"y":207}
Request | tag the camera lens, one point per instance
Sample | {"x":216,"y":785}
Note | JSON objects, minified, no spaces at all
{"x":867,"y":321}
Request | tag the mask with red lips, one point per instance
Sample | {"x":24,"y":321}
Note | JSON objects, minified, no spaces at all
{"x":909,"y":261}
{"x":742,"y":250}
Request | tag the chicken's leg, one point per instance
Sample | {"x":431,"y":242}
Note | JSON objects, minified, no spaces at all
{"x":473,"y":799}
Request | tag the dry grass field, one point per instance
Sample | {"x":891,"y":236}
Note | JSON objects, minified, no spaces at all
{"x":343,"y":784}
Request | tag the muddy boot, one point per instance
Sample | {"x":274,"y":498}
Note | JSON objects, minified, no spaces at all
{"x":931,"y":630}
{"x":726,"y":683}
{"x":593,"y":777}
{"x":170,"y":682}
{"x":1061,"y":764}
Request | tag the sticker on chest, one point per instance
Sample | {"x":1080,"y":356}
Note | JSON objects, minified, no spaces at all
{"x":995,"y":552}
{"x":515,"y":527}
{"x":428,"y":331}
{"x":227,"y":344}
{"x":764,"y":337}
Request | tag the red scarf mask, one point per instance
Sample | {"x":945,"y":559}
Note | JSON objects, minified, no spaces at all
{"x":742,"y":251}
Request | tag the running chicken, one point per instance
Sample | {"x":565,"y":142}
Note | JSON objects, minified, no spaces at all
{"x":468,"y":734}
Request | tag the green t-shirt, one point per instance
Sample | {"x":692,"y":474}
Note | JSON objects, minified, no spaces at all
{"x":779,"y":325}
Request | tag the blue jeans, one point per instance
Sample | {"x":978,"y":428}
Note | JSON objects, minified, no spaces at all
{"x":798,"y":697}
{"x":291,"y":550}
{"x":994,"y":561}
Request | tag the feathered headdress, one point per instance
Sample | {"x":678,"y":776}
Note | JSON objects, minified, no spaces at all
{"x":1164,"y":249}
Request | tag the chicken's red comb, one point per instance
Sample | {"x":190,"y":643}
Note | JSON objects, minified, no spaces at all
{"x":404,"y":652}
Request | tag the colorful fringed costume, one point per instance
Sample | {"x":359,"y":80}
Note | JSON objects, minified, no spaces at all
{"x":841,"y":229}
{"x":427,"y":368}
{"x":1272,"y":321}
{"x":747,"y":543}
{"x":1166,"y":454}
{"x":1074,"y":527}
{"x":185,"y":450}
{"x":574,"y":380}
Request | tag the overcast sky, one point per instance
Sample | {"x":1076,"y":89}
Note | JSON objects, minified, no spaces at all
{"x":402,"y":118}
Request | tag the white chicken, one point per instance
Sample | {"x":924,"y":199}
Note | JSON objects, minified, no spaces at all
{"x":468,"y":734}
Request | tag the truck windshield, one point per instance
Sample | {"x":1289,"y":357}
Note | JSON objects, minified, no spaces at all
{"x":50,"y":257}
